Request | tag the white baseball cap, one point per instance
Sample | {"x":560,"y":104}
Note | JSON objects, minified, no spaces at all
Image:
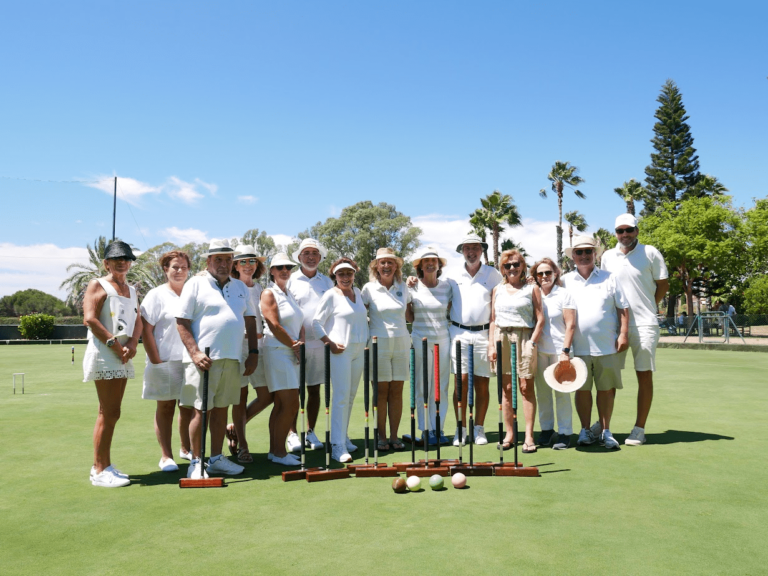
{"x":625,"y":220}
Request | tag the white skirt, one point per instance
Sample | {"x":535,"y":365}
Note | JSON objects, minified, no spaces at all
{"x":281,"y":368}
{"x":100,"y":363}
{"x":163,"y":381}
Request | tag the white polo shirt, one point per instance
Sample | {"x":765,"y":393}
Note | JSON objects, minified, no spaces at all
{"x":217,"y":315}
{"x":471,"y":304}
{"x":637,"y":273}
{"x":159,"y":308}
{"x":386,"y":308}
{"x":343,"y":321}
{"x":597,"y":322}
{"x":430,"y":306}
{"x":308,"y":292}
{"x":553,"y":336}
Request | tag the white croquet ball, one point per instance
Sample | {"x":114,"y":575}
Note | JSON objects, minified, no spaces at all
{"x":414,"y":483}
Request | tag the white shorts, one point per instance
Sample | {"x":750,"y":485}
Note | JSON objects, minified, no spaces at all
{"x":163,"y":381}
{"x":393,"y":358}
{"x":223,"y":384}
{"x":604,"y":372}
{"x":479,"y":340}
{"x":643,"y":341}
{"x":259,"y":376}
{"x":281,"y":367}
{"x":314,"y":370}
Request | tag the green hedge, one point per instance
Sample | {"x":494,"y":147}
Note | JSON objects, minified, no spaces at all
{"x":36,"y":326}
{"x":58,"y":321}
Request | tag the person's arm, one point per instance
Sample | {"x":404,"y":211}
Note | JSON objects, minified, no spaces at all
{"x":94,"y":299}
{"x":662,"y":286}
{"x":569,"y":316}
{"x":322,"y":313}
{"x":492,"y":330}
{"x":129,"y":350}
{"x":538,"y":313}
{"x":252,"y":361}
{"x":184,"y":327}
{"x":272,"y":317}
{"x":150,"y":344}
{"x":622,"y":343}
{"x":409,"y":312}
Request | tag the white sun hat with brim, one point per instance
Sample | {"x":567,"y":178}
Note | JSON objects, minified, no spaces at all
{"x":310,"y":243}
{"x":584,"y":242}
{"x":625,"y":220}
{"x":245,"y":251}
{"x":281,"y":259}
{"x":343,"y":266}
{"x":568,"y":378}
{"x":384,"y":253}
{"x":428,"y":252}
{"x":217,"y":247}
{"x":471,"y":239}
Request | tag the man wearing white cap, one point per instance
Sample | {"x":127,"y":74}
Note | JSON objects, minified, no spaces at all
{"x":214,"y":311}
{"x":643,"y":277}
{"x":602,"y":322}
{"x":470,"y":317}
{"x":308,"y":285}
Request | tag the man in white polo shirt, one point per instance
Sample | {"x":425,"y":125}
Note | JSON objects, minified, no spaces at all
{"x":307,"y":286}
{"x":214,"y":311}
{"x":602,"y":322}
{"x":642,"y":275}
{"x":470,"y":319}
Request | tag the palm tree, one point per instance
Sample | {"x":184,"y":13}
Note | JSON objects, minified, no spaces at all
{"x":631,"y":192}
{"x":497,"y":211}
{"x":575,"y":220}
{"x":510,"y":244}
{"x":606,"y":240}
{"x":562,"y":175}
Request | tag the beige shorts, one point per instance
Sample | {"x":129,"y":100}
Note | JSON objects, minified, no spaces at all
{"x":259,"y":377}
{"x":604,"y":371}
{"x":643,"y":341}
{"x":393,"y":358}
{"x":163,"y":381}
{"x":526,"y":355}
{"x":314,"y":369}
{"x":223,"y":384}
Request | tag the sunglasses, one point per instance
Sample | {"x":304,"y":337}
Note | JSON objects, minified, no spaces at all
{"x":581,"y":251}
{"x":546,"y":273}
{"x":509,"y":265}
{"x":628,"y":230}
{"x":282,"y":267}
{"x":249,"y":261}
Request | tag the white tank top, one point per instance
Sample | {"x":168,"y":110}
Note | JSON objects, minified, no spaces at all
{"x":118,"y":313}
{"x":514,"y":310}
{"x":288,"y":312}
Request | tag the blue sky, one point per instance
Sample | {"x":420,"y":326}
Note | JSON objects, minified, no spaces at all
{"x":220,"y":117}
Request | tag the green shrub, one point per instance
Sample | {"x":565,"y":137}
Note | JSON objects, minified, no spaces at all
{"x":36,"y":326}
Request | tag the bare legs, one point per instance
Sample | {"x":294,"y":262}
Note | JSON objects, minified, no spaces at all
{"x":238,"y":418}
{"x":528,"y":393}
{"x":389,"y":403}
{"x":605,"y":400}
{"x":644,"y":397}
{"x":286,"y":405}
{"x":482,"y":399}
{"x":164,"y":424}
{"x":217,"y":425}
{"x":110,"y":393}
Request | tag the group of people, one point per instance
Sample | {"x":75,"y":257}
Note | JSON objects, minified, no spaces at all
{"x":589,"y":316}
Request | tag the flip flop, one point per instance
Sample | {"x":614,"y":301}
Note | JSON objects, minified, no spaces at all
{"x":232,"y":439}
{"x":529,"y":448}
{"x":383,"y":445}
{"x":244,"y":456}
{"x":504,"y":446}
{"x":397,"y":445}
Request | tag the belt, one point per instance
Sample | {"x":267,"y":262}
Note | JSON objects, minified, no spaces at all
{"x":478,"y":328}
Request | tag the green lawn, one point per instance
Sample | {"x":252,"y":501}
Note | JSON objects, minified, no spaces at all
{"x":692,"y":501}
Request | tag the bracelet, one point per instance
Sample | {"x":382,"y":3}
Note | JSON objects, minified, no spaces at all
{"x":253,"y":351}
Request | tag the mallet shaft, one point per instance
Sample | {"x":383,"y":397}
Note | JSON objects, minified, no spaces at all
{"x":425,"y":392}
{"x":375,"y":390}
{"x":366,"y":397}
{"x":436,"y":380}
{"x":302,"y":399}
{"x":327,"y":406}
{"x":500,"y":393}
{"x":458,"y":395}
{"x":413,"y":404}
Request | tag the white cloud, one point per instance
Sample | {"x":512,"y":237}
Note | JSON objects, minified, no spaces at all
{"x":247,"y":199}
{"x":212,"y":188}
{"x":184,"y":236}
{"x":181,"y":190}
{"x":128,"y":189}
{"x":39,"y":266}
{"x":282,"y":241}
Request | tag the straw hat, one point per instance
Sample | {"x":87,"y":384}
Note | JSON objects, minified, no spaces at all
{"x":310,"y":243}
{"x":217,"y":247}
{"x":584,"y":242}
{"x":118,"y":249}
{"x":244,"y":251}
{"x":383,"y":253}
{"x":428,"y":252}
{"x":471,"y":238}
{"x":566,"y":378}
{"x":281,"y":259}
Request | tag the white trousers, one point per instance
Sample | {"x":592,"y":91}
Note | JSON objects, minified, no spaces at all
{"x":445,"y":374}
{"x":346,"y":371}
{"x":544,"y":399}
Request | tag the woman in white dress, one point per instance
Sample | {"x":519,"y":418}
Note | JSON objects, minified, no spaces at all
{"x":283,"y":336}
{"x":341,"y":321}
{"x":428,"y":311}
{"x":516,"y":316}
{"x":111,"y":312}
{"x":163,"y":372}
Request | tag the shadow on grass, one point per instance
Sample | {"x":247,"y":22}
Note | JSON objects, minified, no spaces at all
{"x":683,"y":436}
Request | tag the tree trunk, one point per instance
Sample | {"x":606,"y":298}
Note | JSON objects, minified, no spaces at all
{"x":631,"y":206}
{"x":671,"y":303}
{"x":560,"y":245}
{"x":560,"y":226}
{"x":495,"y":235}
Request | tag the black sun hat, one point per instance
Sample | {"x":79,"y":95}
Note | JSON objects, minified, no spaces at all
{"x":118,"y":249}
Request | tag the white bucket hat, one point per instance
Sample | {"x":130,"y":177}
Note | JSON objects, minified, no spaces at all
{"x":566,"y":378}
{"x":584,"y":242}
{"x":428,"y":252}
{"x":281,"y":259}
{"x":217,"y":247}
{"x":625,"y":220}
{"x":244,"y":251}
{"x":310,"y":243}
{"x":471,"y":238}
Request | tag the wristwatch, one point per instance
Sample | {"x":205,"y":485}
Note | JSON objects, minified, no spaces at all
{"x":567,"y":350}
{"x":253,"y":351}
{"x":111,"y":342}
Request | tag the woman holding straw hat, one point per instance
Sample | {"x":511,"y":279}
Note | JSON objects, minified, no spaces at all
{"x":554,"y":346}
{"x":428,"y":310}
{"x":516,"y":316}
{"x":247,"y":266}
{"x":283,"y":336}
{"x":341,"y":321}
{"x":111,"y":312}
{"x":164,"y":371}
{"x":386,"y":296}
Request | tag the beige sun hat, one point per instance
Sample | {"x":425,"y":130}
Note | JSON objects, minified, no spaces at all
{"x":310,"y":243}
{"x":244,"y":251}
{"x":217,"y":247}
{"x":471,"y":238}
{"x":428,"y":252}
{"x":584,"y":242}
{"x":281,"y":259}
{"x":383,"y":253}
{"x":566,"y":378}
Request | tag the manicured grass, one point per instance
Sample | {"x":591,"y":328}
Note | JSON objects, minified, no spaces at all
{"x":692,"y":501}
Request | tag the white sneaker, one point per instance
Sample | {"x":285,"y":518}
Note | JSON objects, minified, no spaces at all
{"x":351,"y":446}
{"x":480,"y":438}
{"x":586,"y":437}
{"x":185,"y":455}
{"x":220,"y":465}
{"x":293,"y":443}
{"x":636,"y":437}
{"x":609,"y":441}
{"x":596,"y":429}
{"x":108,"y":479}
{"x":463,"y":437}
{"x":195,"y":470}
{"x":167,"y":465}
{"x":287,"y":460}
{"x":312,"y":441}
{"x":340,"y":454}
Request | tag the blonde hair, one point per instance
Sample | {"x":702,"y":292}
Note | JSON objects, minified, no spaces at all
{"x":507,"y":255}
{"x":555,"y":270}
{"x":373,"y":273}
